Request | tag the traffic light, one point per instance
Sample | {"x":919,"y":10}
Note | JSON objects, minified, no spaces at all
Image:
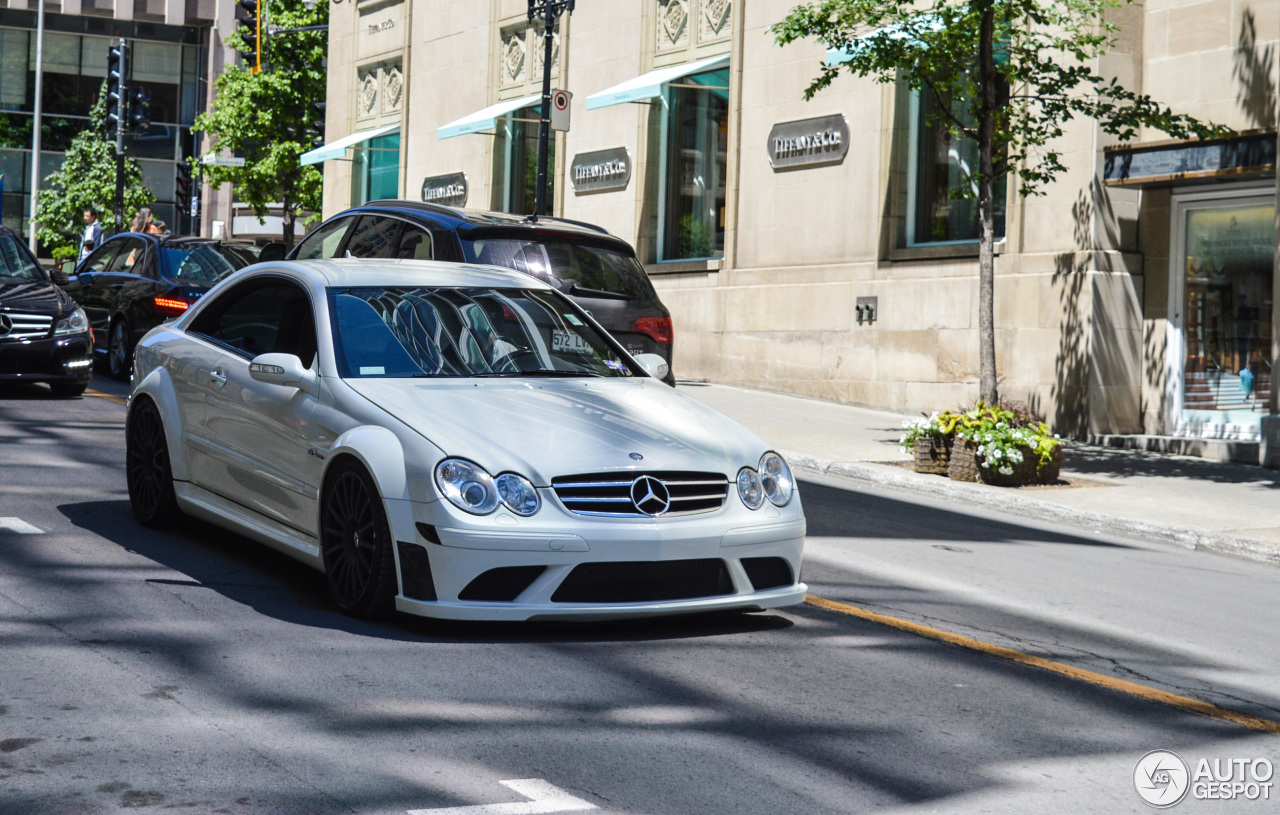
{"x":251,"y":34}
{"x":315,"y":130}
{"x":140,"y":111}
{"x":117,"y":70}
{"x":182,"y":187}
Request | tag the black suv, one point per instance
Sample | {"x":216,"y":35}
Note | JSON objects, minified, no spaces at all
{"x":597,"y":270}
{"x":134,"y":282}
{"x":44,"y":337}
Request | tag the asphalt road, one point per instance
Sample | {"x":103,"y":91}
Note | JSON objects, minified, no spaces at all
{"x":198,"y":672}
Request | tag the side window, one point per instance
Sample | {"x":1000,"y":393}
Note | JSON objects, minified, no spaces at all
{"x":130,"y":254}
{"x":324,"y":242}
{"x":97,"y":262}
{"x":262,"y":317}
{"x":373,"y":237}
{"x":414,"y":244}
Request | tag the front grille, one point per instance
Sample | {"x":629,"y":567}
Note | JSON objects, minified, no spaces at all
{"x":24,"y":326}
{"x":501,"y":585}
{"x":609,"y":494}
{"x":644,"y":581}
{"x":767,"y":572}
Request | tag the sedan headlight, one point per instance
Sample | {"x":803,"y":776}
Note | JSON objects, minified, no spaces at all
{"x":517,"y":493}
{"x":749,"y":489}
{"x":468,"y":487}
{"x":775,"y":478}
{"x":77,"y":323}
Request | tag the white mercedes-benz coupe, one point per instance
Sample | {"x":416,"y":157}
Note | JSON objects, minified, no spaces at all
{"x":454,"y":441}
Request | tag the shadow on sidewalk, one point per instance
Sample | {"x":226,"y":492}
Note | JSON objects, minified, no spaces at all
{"x":1089,"y":459}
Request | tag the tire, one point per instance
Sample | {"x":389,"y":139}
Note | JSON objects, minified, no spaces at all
{"x":147,"y":469}
{"x":356,"y":542}
{"x":68,"y":390}
{"x":119,"y":353}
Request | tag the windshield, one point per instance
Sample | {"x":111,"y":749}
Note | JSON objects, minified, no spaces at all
{"x":448,"y":332}
{"x":573,"y":268}
{"x":15,"y":263}
{"x":199,"y":264}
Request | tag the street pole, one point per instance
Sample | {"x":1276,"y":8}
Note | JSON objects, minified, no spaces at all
{"x":35,"y":130}
{"x":120,"y":123}
{"x":549,"y":10}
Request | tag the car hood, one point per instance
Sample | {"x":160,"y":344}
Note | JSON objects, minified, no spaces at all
{"x":36,"y":296}
{"x":555,"y":427}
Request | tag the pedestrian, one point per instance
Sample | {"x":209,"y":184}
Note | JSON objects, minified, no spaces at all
{"x":141,"y":220}
{"x":157,"y":228}
{"x":92,"y":233}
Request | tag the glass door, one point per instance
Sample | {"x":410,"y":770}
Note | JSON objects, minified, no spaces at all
{"x":1223,"y":269}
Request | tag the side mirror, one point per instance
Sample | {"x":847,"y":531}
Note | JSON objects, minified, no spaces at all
{"x":58,"y":276}
{"x":654,"y":365}
{"x":272,"y":251}
{"x":282,"y":369}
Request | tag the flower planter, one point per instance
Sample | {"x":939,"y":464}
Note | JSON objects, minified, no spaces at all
{"x":1050,"y":472}
{"x":932,"y":454}
{"x":963,"y":465}
{"x":1024,"y":472}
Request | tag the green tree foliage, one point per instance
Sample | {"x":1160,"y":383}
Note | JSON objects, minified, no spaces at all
{"x":270,"y":118}
{"x":87,"y":177}
{"x":1008,"y":74}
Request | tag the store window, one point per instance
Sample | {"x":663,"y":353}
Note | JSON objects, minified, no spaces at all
{"x":1226,"y":264}
{"x":695,"y":147}
{"x":377,"y":166}
{"x":942,"y":203}
{"x":515,"y":164}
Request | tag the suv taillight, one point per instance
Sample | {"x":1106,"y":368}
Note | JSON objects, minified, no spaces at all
{"x":658,"y":329}
{"x":170,"y":306}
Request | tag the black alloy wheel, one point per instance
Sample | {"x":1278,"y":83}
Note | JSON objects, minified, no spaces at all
{"x":147,"y":468}
{"x":118,"y":350}
{"x":356,"y":542}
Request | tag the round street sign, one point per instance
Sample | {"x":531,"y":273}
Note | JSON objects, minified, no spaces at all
{"x":560,"y":110}
{"x":560,"y":99}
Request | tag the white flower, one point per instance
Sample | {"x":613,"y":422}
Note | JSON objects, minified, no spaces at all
{"x":997,"y":453}
{"x":988,"y":437}
{"x":1006,"y":471}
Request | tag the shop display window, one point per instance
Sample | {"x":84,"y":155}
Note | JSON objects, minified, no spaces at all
{"x":695,"y":149}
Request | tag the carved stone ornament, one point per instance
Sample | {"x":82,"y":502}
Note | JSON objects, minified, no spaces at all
{"x":393,"y":87}
{"x":513,"y":56}
{"x":538,"y":46}
{"x":673,"y":15}
{"x":715,"y":17}
{"x":368,"y":93}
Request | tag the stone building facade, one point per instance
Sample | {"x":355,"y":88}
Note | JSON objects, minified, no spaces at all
{"x":813,"y":247}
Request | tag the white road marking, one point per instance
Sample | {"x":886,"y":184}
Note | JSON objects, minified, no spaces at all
{"x":546,"y":798}
{"x":17,"y":526}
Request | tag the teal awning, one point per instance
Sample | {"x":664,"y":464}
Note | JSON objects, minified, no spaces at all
{"x":839,"y":56}
{"x":338,"y":148}
{"x":486,"y":119}
{"x":649,"y":86}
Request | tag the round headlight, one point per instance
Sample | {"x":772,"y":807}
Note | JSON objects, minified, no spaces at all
{"x":77,"y":323}
{"x":749,"y":489}
{"x":517,"y":494}
{"x":775,"y":478}
{"x":467,"y":486}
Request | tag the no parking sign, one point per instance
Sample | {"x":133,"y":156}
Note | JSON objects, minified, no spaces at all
{"x":560,"y":110}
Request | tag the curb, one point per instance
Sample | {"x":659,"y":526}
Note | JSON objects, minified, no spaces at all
{"x":998,"y":498}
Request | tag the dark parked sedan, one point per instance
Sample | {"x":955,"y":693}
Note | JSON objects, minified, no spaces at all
{"x":134,"y":282}
{"x":44,"y":336}
{"x":597,"y":270}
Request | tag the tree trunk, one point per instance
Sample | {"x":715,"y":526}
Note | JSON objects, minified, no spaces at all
{"x":289,"y":214}
{"x":986,"y":210}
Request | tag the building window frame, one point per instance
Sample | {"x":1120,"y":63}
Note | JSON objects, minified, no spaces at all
{"x":666,"y":136}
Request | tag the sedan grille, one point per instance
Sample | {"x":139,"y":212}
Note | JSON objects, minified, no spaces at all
{"x":641,"y":494}
{"x":644,"y":582}
{"x":16,"y":326}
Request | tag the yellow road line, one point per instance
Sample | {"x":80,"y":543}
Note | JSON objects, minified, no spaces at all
{"x":1183,"y":703}
{"x":92,"y":392}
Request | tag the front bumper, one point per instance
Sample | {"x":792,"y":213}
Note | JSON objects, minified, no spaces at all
{"x":442,"y":554}
{"x":52,"y":359}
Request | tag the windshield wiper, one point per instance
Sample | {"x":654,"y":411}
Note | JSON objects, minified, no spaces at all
{"x":509,"y":374}
{"x":589,"y":292}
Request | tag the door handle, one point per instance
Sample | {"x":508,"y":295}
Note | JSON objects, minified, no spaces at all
{"x":217,"y":377}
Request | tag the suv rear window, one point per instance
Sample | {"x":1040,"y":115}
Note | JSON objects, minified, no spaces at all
{"x":574,"y":268}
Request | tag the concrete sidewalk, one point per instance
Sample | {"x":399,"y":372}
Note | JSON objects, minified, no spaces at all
{"x":1223,"y":507}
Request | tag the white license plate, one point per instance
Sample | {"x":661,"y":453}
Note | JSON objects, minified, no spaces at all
{"x":562,"y":341}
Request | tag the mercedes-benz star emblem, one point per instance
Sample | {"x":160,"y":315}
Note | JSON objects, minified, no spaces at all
{"x":6,"y":325}
{"x":650,"y":495}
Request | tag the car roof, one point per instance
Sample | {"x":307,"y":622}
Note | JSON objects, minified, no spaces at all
{"x":351,"y":272}
{"x":462,"y":219}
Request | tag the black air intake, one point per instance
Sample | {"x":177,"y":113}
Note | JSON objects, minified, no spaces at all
{"x":644,"y":582}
